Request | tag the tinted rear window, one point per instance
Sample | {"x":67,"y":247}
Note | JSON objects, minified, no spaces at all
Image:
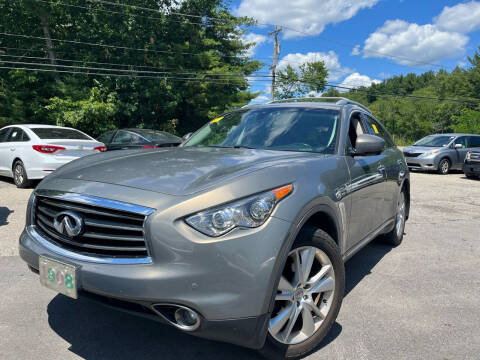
{"x":59,"y":133}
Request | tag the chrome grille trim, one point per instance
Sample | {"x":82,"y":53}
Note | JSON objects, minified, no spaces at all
{"x":114,"y":231}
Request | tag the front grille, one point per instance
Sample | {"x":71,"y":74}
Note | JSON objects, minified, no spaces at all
{"x":475,"y":156}
{"x":407,"y":154}
{"x":106,"y":232}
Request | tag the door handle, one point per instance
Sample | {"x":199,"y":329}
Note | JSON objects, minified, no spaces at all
{"x":12,"y":149}
{"x":381,"y":169}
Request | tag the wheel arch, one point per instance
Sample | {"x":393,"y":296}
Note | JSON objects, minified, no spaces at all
{"x":312,"y":214}
{"x":14,"y":161}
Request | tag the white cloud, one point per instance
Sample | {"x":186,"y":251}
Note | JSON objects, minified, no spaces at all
{"x":461,"y":18}
{"x":332,"y":63}
{"x":309,"y":16}
{"x":356,"y":80}
{"x":414,"y":45}
{"x":261,"y":99}
{"x":258,"y":39}
{"x":355,"y":50}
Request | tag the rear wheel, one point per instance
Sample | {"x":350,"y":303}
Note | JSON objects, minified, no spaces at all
{"x":395,"y":236}
{"x":20,"y":177}
{"x":308,"y":296}
{"x":444,"y":167}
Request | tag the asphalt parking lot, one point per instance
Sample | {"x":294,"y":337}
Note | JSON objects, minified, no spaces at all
{"x":418,"y":301}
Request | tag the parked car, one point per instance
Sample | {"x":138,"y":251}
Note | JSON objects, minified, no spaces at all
{"x":440,"y":152}
{"x":239,"y":235}
{"x":29,"y":152}
{"x":138,"y":139}
{"x":471,"y":167}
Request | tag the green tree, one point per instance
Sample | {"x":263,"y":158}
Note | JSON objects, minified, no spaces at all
{"x":310,"y":78}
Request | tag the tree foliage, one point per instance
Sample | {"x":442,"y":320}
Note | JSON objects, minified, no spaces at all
{"x":310,"y":78}
{"x":188,"y":69}
{"x":412,"y":106}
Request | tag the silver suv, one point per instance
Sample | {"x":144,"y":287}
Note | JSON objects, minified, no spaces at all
{"x":238,"y":235}
{"x":440,"y":152}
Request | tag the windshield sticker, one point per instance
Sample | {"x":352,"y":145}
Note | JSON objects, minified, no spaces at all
{"x":374,"y":128}
{"x":216,"y":120}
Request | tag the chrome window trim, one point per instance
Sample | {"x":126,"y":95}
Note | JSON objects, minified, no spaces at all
{"x":94,"y":201}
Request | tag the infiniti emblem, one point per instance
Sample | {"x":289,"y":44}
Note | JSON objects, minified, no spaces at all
{"x":69,"y":223}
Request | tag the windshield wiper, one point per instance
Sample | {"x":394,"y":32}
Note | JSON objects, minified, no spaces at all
{"x":231,"y":147}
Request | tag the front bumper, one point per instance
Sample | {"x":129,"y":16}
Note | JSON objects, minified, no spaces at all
{"x":226,"y":282}
{"x":418,"y":163}
{"x":471,"y":167}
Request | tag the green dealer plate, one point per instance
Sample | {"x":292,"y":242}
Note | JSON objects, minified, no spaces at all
{"x":58,"y":276}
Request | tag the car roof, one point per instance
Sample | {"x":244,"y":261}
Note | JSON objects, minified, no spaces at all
{"x":30,"y":126}
{"x":332,"y":103}
{"x":454,"y":134}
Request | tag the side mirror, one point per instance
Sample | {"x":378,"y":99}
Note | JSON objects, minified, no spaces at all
{"x":458,"y":146}
{"x":369,"y":145}
{"x":187,"y":136}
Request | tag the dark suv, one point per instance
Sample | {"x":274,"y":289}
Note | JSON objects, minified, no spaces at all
{"x":239,"y":235}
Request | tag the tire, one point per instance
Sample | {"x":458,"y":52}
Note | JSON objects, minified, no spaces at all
{"x":395,"y":236}
{"x":20,"y":177}
{"x":444,"y":166}
{"x":320,"y":294}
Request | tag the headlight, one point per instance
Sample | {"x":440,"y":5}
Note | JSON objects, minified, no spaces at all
{"x":468,"y":156}
{"x":430,"y":153}
{"x":250,"y":213}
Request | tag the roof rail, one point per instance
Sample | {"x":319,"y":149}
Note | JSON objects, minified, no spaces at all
{"x":335,"y":100}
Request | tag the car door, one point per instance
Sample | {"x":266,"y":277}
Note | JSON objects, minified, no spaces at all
{"x":4,"y":152}
{"x":393,"y":165}
{"x":11,"y":147}
{"x":460,"y":147}
{"x":366,"y":188}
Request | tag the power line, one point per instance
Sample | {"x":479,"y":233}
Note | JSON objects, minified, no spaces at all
{"x":343,"y":44}
{"x":122,"y":14}
{"x":113,"y":46}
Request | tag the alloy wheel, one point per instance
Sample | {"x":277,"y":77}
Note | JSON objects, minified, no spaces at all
{"x":304,"y":295}
{"x":400,"y":224}
{"x":18,"y":174}
{"x":445,"y":166}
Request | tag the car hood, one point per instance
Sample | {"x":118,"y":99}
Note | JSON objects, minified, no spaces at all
{"x":421,"y":149}
{"x":173,"y":171}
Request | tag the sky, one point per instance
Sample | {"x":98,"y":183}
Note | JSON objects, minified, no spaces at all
{"x":363,"y":41}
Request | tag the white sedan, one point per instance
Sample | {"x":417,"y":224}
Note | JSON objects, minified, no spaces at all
{"x":29,"y":152}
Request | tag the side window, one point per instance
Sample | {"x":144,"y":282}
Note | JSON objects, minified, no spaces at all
{"x":475,"y":141}
{"x":23,"y":136}
{"x":107,"y":137}
{"x":356,"y":128}
{"x":125,"y":137}
{"x":375,"y":128}
{"x":3,"y":134}
{"x":461,"y":140}
{"x":15,"y":135}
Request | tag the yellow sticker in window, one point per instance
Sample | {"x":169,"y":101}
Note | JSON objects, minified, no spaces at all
{"x":375,"y":128}
{"x":216,"y":120}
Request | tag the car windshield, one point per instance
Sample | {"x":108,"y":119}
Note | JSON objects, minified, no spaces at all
{"x":279,"y":128}
{"x":59,"y":133}
{"x":434,"y":141}
{"x":154,"y":135}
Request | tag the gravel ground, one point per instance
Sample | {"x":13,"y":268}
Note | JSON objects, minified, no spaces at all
{"x":418,"y":301}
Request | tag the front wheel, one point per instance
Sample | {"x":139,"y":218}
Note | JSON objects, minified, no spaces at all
{"x":308,"y":297}
{"x":444,"y":167}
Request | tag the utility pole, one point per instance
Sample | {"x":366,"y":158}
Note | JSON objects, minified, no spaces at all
{"x":46,"y":33}
{"x":276,"y":52}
